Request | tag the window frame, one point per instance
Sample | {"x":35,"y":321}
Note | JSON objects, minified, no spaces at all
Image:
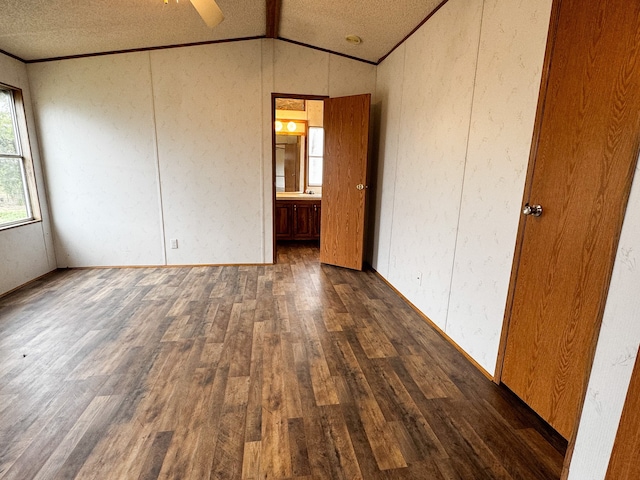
{"x":309,"y":156}
{"x":25,"y":158}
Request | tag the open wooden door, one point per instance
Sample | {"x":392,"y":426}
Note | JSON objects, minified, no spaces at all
{"x":589,"y":137}
{"x":344,"y":180}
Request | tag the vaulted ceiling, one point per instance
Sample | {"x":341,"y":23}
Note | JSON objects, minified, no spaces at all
{"x":34,"y":30}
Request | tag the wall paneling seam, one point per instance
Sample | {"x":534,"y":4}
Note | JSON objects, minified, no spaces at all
{"x":395,"y":170}
{"x":464,"y":169}
{"x":157,"y":164}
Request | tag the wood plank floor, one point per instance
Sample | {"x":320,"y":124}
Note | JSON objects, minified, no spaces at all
{"x":291,"y":371}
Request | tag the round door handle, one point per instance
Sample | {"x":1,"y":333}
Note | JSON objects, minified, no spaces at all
{"x":361,"y":186}
{"x":533,"y":210}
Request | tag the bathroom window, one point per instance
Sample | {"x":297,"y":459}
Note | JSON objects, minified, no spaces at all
{"x":316,"y":156}
{"x":17,"y":186}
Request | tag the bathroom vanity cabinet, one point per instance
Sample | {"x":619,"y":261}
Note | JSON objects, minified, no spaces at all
{"x":297,"y":219}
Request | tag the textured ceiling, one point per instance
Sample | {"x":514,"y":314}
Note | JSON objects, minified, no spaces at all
{"x":381,"y":24}
{"x":42,"y":29}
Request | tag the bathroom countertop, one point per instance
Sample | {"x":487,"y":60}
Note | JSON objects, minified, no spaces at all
{"x":297,"y":196}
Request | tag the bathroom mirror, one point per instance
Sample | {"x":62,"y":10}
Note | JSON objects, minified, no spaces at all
{"x":290,"y":153}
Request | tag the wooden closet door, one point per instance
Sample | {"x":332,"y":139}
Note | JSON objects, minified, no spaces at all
{"x":589,"y":131}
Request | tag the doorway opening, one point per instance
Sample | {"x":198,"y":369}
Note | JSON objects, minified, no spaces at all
{"x":298,"y":159}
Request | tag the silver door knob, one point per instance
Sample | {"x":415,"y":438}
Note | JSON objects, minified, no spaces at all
{"x":533,"y":210}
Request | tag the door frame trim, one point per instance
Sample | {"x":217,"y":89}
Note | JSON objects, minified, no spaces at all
{"x":275,"y":95}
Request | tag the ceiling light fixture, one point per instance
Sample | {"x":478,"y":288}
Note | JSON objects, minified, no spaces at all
{"x":353,"y":39}
{"x":284,"y":126}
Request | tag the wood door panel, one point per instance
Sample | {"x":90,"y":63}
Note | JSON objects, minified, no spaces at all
{"x":624,"y":463}
{"x":283,"y":220}
{"x":346,"y":122}
{"x":303,"y":220}
{"x":586,"y":157}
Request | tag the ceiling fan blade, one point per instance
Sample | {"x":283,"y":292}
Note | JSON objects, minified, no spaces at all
{"x":209,"y":11}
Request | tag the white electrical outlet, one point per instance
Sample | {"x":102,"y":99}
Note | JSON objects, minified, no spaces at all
{"x":418,"y":278}
{"x":174,"y":243}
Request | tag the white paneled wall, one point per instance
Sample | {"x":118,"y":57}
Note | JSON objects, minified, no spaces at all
{"x":512,"y":47}
{"x":347,"y":77}
{"x":388,"y":108}
{"x":25,"y":252}
{"x":210,"y":152}
{"x":453,"y":156}
{"x":95,"y":119}
{"x":266,"y":189}
{"x":436,"y":103}
{"x":146,"y":147}
{"x":299,"y":69}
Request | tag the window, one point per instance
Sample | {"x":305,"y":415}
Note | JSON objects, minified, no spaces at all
{"x":16,"y":174}
{"x":316,"y":156}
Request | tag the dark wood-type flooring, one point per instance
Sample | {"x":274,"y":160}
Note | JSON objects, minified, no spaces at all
{"x":296,"y":371}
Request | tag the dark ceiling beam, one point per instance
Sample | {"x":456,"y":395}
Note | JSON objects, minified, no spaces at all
{"x":273,"y":18}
